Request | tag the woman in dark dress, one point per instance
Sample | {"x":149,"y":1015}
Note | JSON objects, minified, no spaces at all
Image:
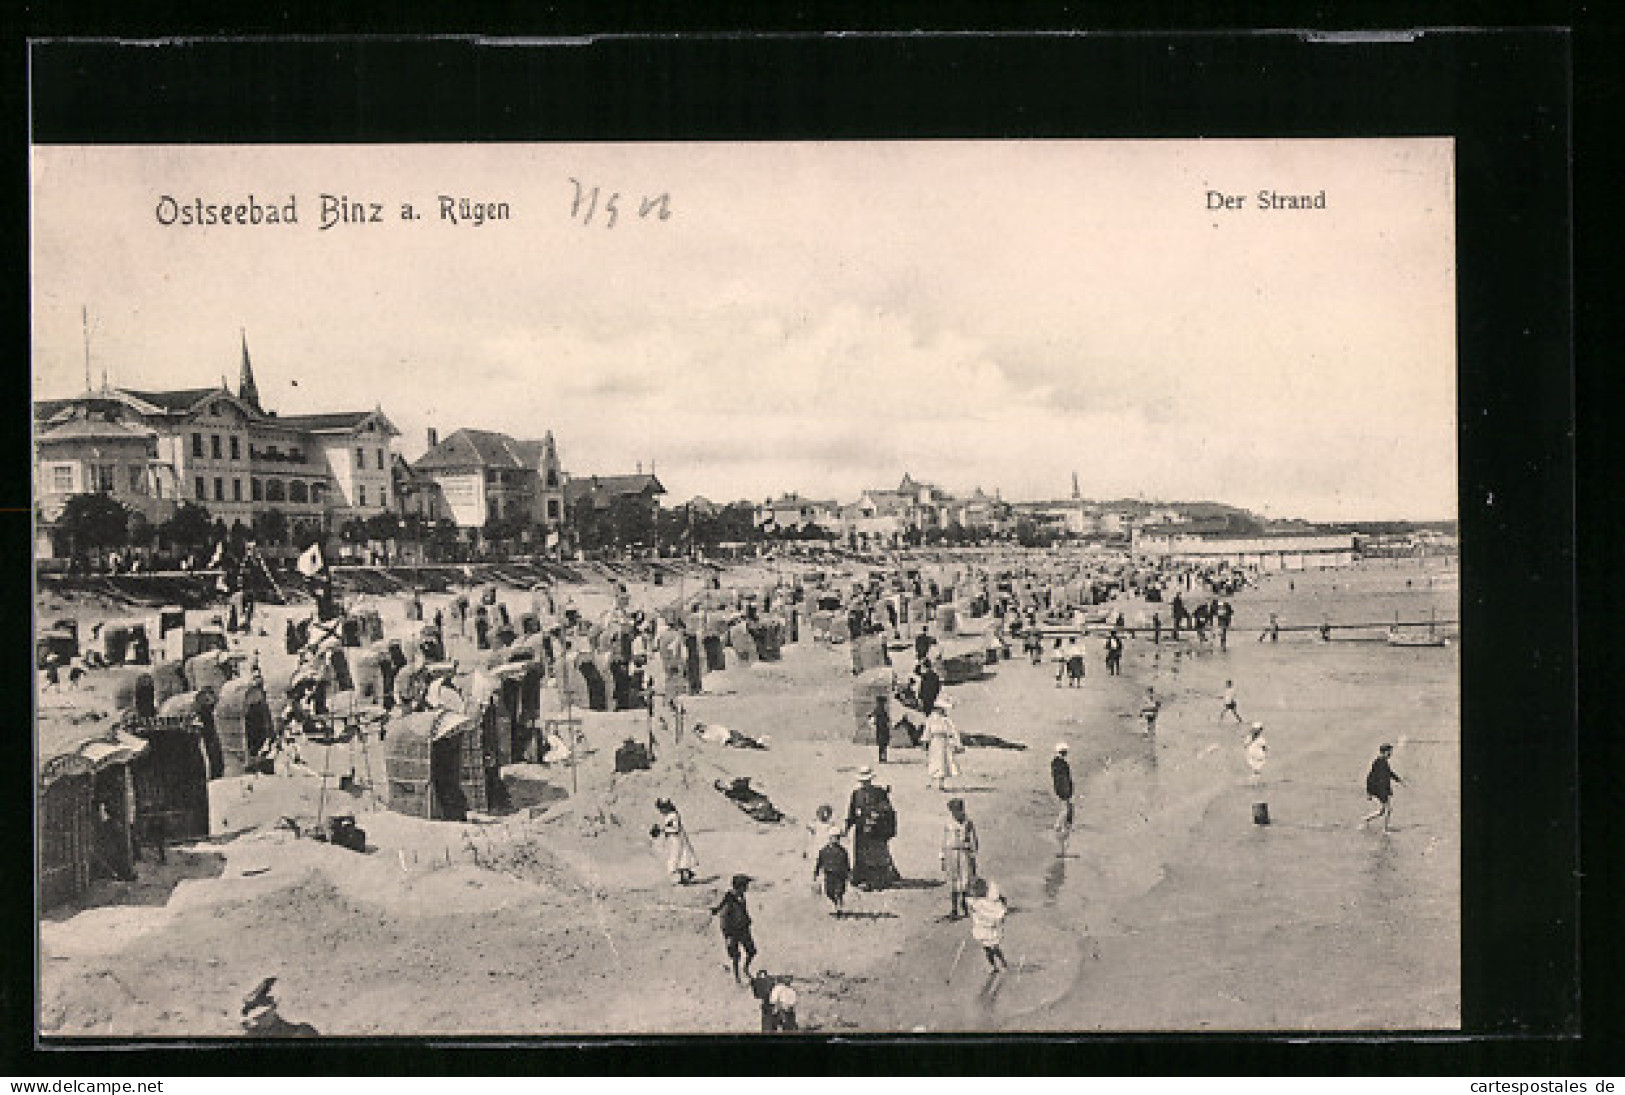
{"x":873,"y":823}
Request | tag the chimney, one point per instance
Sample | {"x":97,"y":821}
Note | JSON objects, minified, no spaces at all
{"x":640,"y":467}
{"x":434,"y":437}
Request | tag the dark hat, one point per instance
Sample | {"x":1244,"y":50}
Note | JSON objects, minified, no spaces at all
{"x":1386,"y":748}
{"x":741,"y":881}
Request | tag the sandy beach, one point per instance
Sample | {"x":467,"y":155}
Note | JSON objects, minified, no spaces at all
{"x":1169,"y":909}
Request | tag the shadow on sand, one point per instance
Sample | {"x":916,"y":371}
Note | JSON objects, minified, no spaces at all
{"x":153,"y":885}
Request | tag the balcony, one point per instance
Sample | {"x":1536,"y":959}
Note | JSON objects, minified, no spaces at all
{"x":276,"y":457}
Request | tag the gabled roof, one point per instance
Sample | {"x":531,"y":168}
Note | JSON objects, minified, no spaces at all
{"x":599,"y":489}
{"x":95,"y":429}
{"x":337,"y":422}
{"x":481,"y":449}
{"x":402,"y":471}
{"x":796,"y":501}
{"x":177,"y":401}
{"x":46,"y":409}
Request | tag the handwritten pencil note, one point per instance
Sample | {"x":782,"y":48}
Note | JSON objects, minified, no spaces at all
{"x":588,"y":204}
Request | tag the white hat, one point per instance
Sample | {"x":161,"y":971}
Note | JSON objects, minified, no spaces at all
{"x":1060,"y":747}
{"x":1258,"y":726}
{"x":945,"y":703}
{"x":865,"y":774}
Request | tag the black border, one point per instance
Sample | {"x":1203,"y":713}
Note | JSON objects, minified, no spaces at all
{"x":1504,"y":96}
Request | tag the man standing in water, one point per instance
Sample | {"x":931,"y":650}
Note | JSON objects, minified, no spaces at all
{"x":1149,"y":710}
{"x":1060,"y":771}
{"x":1379,"y":784}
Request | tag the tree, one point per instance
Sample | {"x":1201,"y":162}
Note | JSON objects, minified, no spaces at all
{"x":1028,"y":535}
{"x":94,"y":523}
{"x":306,"y":533}
{"x":138,"y":530}
{"x":271,"y":526}
{"x":189,"y":527}
{"x":383,"y":527}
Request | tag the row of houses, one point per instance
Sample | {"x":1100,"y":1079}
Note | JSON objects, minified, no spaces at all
{"x":883,"y":512}
{"x":888,"y":514}
{"x":225,"y":451}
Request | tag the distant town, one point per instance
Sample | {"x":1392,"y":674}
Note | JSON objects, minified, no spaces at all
{"x":128,"y":478}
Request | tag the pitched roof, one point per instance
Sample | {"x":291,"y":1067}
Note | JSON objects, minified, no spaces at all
{"x":178,"y":400}
{"x":333,"y":422}
{"x":601,"y":488}
{"x":95,"y":429}
{"x":46,"y":409}
{"x":481,"y":449}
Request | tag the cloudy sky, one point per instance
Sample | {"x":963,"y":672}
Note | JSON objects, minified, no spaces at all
{"x":818,"y":317}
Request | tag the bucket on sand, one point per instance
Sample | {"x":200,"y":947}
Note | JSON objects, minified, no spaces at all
{"x":1261,"y":813}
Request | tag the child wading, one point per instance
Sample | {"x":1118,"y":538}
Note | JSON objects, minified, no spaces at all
{"x":987,"y":912}
{"x":1379,"y":784}
{"x":1149,"y":709}
{"x":836,"y":868}
{"x":1258,"y":750}
{"x":734,"y":917}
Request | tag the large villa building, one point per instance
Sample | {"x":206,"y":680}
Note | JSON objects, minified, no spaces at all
{"x":223,"y":450}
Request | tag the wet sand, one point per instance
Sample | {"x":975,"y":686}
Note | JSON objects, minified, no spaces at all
{"x":1171,"y":910}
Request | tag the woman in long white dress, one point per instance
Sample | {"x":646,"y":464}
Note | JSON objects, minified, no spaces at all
{"x":942,"y":742}
{"x":681,"y":862}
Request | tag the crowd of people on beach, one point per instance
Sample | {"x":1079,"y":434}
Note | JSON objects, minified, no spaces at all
{"x":854,"y":852}
{"x":650,"y":657}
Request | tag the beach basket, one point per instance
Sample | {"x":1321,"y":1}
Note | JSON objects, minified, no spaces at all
{"x":66,"y":827}
{"x":869,"y":652}
{"x":374,"y":672}
{"x":171,"y":778}
{"x":133,"y":691}
{"x":211,"y":669}
{"x":435,"y":765}
{"x":168,"y":679}
{"x":865,"y":687}
{"x":743,"y":643}
{"x":243,"y":721}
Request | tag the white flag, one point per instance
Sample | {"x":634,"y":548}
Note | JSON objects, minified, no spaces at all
{"x":218,"y":557}
{"x":553,"y":539}
{"x":311,"y":562}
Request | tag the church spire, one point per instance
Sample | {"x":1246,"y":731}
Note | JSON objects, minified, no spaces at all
{"x":1077,"y":495}
{"x":247,"y":390}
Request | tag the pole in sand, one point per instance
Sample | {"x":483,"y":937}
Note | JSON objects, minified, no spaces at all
{"x":960,"y":953}
{"x":327,"y":765}
{"x":569,"y":729}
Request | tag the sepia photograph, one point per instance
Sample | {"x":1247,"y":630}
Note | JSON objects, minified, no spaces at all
{"x":704,"y":588}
